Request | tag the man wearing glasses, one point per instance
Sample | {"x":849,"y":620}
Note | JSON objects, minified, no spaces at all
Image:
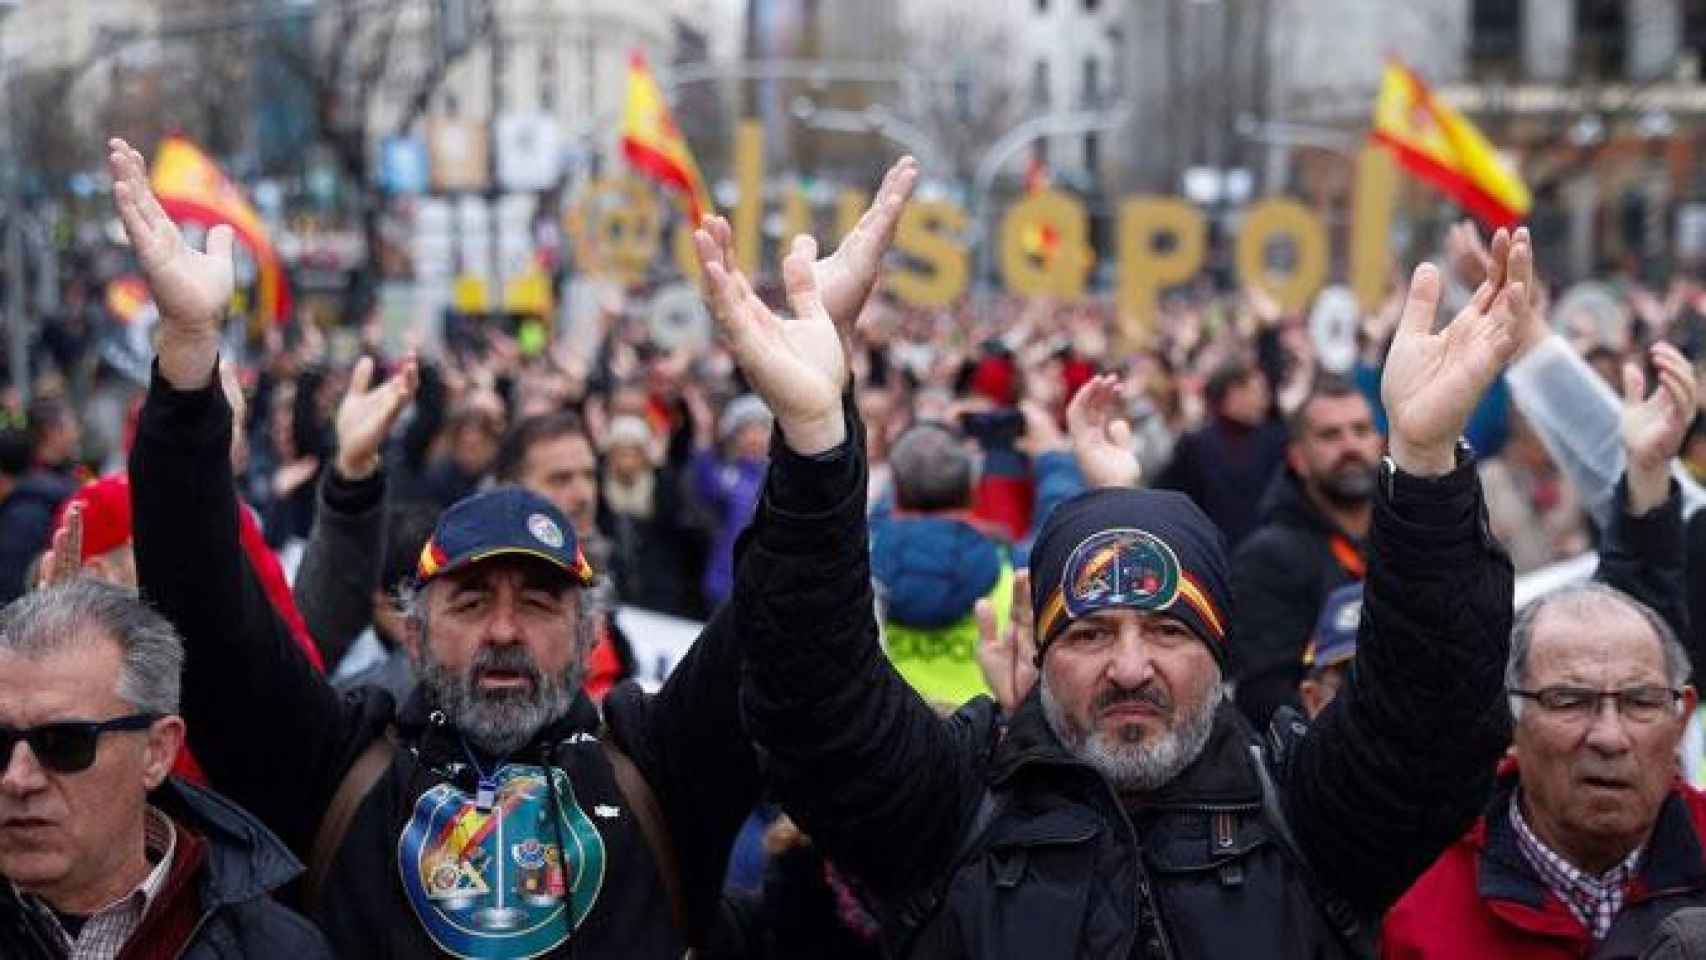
{"x":1591,"y":839}
{"x":100,"y":854}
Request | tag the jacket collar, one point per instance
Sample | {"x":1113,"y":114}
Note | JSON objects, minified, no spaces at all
{"x":244,"y":860}
{"x":1673,"y":861}
{"x":1286,"y":502}
{"x":1220,"y":775}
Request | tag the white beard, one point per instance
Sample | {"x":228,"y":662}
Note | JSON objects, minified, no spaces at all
{"x":1140,"y":765}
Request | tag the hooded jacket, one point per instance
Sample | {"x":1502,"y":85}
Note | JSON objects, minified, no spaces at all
{"x":422,"y":870}
{"x":1281,"y":575}
{"x":931,"y":570}
{"x":240,"y":865}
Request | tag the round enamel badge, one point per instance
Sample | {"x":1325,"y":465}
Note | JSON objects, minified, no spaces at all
{"x":545,"y":530}
{"x":1120,"y":568}
{"x":512,"y":880}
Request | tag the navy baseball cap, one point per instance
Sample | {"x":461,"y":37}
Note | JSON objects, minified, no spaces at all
{"x":1335,"y":638}
{"x":507,"y":520}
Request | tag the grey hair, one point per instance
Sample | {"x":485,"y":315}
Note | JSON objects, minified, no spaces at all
{"x":1579,"y":597}
{"x":932,"y":469}
{"x":85,"y":611}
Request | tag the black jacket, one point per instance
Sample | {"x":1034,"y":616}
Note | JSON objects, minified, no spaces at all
{"x":1222,"y":465}
{"x":243,"y":864}
{"x":26,"y":523}
{"x":1372,"y":793}
{"x":1281,"y":575}
{"x":270,"y":733}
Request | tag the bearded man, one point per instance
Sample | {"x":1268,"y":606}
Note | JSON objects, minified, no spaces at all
{"x":1124,"y":808}
{"x":494,"y":813}
{"x":1313,"y":540}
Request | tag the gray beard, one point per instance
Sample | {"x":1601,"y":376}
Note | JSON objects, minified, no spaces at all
{"x":499,"y":723}
{"x":1138,"y":766}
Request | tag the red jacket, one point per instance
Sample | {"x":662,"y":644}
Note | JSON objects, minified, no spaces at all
{"x":1482,"y":899}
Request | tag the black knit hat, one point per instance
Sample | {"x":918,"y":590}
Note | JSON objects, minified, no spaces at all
{"x":1114,"y":547}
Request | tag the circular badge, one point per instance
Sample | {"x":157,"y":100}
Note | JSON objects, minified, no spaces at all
{"x":1123,"y":567}
{"x":545,"y":530}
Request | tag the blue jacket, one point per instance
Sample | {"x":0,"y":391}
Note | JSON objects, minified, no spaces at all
{"x":244,"y":864}
{"x":932,"y":569}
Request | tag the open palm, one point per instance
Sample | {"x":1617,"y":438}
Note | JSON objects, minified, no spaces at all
{"x":191,"y":289}
{"x":796,"y":364}
{"x":846,"y":277}
{"x":1654,"y":427}
{"x":1432,"y":381}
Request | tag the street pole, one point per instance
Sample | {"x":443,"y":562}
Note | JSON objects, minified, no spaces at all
{"x":17,"y":287}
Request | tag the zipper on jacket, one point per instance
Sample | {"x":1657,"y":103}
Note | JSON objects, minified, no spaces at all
{"x":1145,"y":889}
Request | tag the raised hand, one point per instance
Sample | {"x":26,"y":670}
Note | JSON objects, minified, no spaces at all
{"x":1467,"y":255}
{"x":1654,"y":427}
{"x":366,"y":413}
{"x":1101,"y":438}
{"x":63,"y":560}
{"x":1008,"y":658}
{"x":1432,"y":381}
{"x":797,"y":364}
{"x":190,"y":289}
{"x":846,"y":277}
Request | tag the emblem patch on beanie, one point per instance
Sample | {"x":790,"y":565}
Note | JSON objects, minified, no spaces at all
{"x":1123,"y":567}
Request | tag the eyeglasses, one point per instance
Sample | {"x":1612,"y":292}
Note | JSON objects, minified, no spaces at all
{"x":69,"y":745}
{"x":1642,"y":704}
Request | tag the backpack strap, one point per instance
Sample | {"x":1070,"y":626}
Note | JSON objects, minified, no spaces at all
{"x":1286,"y":730}
{"x":644,"y":805}
{"x":358,"y":782}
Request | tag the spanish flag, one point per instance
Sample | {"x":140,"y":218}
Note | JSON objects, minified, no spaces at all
{"x":653,"y":143}
{"x":1439,"y":145}
{"x":190,"y":186}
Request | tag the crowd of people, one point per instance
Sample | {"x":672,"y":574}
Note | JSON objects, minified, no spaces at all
{"x":1018,"y":638}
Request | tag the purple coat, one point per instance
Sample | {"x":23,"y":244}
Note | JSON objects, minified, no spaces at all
{"x":730,"y":490}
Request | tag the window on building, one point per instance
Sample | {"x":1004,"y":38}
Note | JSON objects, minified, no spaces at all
{"x":1090,"y":6}
{"x":1602,"y":30}
{"x":1092,"y":81}
{"x":1093,"y":152}
{"x":1694,"y":35}
{"x":548,"y":77}
{"x":1042,"y":6}
{"x":1495,"y":39}
{"x":1039,"y":84}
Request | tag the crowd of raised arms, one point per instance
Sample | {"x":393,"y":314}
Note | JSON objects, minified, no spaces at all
{"x":1014,"y":637}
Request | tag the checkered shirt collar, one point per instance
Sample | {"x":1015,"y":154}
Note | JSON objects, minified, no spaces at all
{"x":1595,"y":900}
{"x":106,"y":930}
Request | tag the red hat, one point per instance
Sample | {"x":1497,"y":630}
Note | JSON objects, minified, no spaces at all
{"x":106,"y":514}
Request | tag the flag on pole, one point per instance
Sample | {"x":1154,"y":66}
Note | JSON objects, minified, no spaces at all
{"x":653,"y":143}
{"x":190,"y":186}
{"x":1440,"y":146}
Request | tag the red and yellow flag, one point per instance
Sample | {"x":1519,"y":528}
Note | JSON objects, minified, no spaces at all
{"x":1440,"y":146}
{"x":653,"y":143}
{"x":191,"y":187}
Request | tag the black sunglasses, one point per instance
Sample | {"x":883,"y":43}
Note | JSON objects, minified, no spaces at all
{"x":69,"y":745}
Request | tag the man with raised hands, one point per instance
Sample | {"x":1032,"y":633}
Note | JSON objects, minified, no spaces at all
{"x":492,"y":814}
{"x":1125,"y":808}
